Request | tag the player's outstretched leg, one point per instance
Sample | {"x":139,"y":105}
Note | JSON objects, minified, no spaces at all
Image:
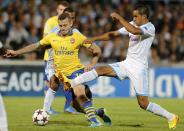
{"x":173,"y":119}
{"x":85,"y":77}
{"x":89,"y":76}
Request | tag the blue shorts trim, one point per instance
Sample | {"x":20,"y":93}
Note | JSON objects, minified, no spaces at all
{"x":76,"y":73}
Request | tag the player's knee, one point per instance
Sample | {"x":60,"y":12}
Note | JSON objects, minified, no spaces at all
{"x":54,"y":86}
{"x":82,"y":98}
{"x":143,"y":104}
{"x":77,"y":106}
{"x":99,"y":70}
{"x":103,"y":70}
{"x":54,"y":83}
{"x":143,"y":101}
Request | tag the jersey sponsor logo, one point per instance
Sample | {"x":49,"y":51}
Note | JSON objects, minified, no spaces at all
{"x":145,"y":28}
{"x":64,"y":52}
{"x":72,"y":40}
{"x":134,"y":38}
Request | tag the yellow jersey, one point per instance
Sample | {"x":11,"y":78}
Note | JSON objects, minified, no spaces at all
{"x":65,"y":51}
{"x":50,"y":26}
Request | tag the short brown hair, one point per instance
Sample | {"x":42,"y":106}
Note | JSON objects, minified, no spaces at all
{"x":143,"y":9}
{"x":64,"y":3}
{"x":69,"y":9}
{"x":64,"y":16}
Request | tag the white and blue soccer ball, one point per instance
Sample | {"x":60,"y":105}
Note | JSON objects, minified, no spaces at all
{"x":40,"y":117}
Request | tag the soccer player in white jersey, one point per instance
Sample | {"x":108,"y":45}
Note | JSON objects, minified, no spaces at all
{"x":3,"y":118}
{"x":141,"y":35}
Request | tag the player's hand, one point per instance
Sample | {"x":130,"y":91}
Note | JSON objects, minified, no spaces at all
{"x":88,"y":41}
{"x":66,"y":84}
{"x":10,"y":53}
{"x":2,"y":49}
{"x":115,"y":16}
{"x":88,"y":67}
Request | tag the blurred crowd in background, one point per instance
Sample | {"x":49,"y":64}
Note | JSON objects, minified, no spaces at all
{"x":22,"y":22}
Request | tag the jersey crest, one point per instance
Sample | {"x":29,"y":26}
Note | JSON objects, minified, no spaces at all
{"x":72,"y":40}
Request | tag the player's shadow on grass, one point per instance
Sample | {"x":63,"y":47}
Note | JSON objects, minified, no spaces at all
{"x":130,"y":125}
{"x":68,"y":123}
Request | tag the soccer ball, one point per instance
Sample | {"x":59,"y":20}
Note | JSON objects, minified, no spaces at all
{"x":40,"y":117}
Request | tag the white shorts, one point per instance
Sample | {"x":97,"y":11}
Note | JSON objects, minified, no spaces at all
{"x":3,"y":117}
{"x":49,"y":69}
{"x":136,"y":72}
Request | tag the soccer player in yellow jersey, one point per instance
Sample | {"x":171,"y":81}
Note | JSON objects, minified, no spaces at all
{"x":65,"y":45}
{"x":70,"y":97}
{"x":51,"y":26}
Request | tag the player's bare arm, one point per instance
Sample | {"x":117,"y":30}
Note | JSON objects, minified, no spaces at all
{"x":27,"y":49}
{"x":103,"y":37}
{"x":96,"y":52}
{"x":129,"y":27}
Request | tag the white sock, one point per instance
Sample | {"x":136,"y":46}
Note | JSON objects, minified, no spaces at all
{"x":158,"y":110}
{"x":4,"y":129}
{"x":49,"y":97}
{"x":85,"y":77}
{"x":3,"y":118}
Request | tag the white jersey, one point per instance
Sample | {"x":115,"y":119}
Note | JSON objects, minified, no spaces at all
{"x":139,"y":45}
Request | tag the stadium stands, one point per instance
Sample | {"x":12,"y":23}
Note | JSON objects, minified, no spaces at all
{"x":28,"y":17}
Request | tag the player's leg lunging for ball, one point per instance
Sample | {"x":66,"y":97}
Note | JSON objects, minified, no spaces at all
{"x":142,"y":99}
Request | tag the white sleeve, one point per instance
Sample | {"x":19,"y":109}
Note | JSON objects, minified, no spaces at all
{"x":123,"y":31}
{"x":148,"y":30}
{"x":75,"y":30}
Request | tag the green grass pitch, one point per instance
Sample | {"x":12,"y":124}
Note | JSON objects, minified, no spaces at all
{"x":125,"y":113}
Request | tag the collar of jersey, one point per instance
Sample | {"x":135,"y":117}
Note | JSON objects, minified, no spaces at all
{"x":69,"y":33}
